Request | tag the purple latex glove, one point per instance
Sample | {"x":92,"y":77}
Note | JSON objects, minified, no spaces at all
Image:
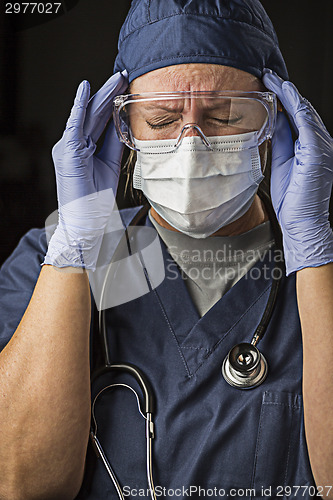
{"x":301,"y":181}
{"x":86,"y":183}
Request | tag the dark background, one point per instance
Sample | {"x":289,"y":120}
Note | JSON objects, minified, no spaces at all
{"x":43,"y":58}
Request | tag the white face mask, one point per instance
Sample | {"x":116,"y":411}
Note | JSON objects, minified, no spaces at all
{"x":197,"y":190}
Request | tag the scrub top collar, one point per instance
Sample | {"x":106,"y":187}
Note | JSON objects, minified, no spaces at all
{"x":231,"y":320}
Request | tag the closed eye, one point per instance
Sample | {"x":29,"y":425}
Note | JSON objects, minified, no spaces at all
{"x":227,"y":121}
{"x":160,"y":124}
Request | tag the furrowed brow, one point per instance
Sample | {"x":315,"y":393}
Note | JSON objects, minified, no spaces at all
{"x":157,"y":107}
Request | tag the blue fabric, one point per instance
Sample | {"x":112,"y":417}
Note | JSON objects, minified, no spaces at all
{"x":234,"y":33}
{"x":208,"y":434}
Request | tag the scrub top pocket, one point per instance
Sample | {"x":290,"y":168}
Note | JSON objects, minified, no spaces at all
{"x":278,"y":448}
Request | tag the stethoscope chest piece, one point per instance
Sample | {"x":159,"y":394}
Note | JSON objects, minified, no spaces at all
{"x":244,"y":367}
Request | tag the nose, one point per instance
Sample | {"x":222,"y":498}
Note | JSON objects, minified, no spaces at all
{"x":191,"y":130}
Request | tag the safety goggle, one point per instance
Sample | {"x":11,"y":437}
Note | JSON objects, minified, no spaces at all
{"x":172,"y":116}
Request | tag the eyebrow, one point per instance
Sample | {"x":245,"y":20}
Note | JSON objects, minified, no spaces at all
{"x":169,"y":109}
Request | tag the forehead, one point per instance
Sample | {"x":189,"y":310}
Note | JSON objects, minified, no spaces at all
{"x":195,"y":77}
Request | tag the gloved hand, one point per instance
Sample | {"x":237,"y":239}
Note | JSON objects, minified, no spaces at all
{"x":86,"y":184}
{"x":301,"y":179}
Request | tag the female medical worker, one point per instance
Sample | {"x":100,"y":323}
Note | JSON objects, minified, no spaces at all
{"x":277,"y":438}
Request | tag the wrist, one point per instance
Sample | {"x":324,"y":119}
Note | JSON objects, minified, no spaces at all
{"x":308,"y":248}
{"x":68,"y":249}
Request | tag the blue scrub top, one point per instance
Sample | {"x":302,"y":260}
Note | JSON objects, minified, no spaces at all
{"x":209,"y":435}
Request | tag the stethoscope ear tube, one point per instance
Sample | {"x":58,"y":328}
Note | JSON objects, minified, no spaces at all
{"x":147,"y":391}
{"x":147,"y":414}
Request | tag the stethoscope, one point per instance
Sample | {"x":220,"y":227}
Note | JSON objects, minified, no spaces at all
{"x":244,"y":367}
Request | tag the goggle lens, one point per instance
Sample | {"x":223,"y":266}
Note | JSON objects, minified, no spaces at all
{"x":163,"y":117}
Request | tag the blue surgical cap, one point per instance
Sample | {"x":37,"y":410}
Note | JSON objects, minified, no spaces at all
{"x":159,"y":33}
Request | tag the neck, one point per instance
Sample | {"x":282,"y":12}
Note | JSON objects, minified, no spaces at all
{"x":253,"y":217}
